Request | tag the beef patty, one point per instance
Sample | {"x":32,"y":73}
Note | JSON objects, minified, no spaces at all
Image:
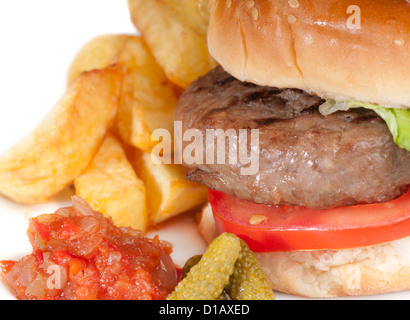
{"x":305,"y":158}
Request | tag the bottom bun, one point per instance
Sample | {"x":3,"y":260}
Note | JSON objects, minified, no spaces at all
{"x":363,"y":271}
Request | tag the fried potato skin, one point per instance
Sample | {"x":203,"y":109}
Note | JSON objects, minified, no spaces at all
{"x":62,"y":146}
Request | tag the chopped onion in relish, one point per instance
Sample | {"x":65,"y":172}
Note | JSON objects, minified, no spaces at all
{"x":78,"y":254}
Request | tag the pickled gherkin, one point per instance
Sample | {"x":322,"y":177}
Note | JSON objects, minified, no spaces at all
{"x":248,"y":282}
{"x":189,"y":264}
{"x":208,"y":278}
{"x":227,"y":267}
{"x":192,"y":262}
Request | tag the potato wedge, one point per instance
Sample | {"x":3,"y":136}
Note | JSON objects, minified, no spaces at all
{"x":168,"y":192}
{"x":65,"y":142}
{"x":148,"y":98}
{"x":98,"y":53}
{"x":111,"y":186}
{"x":178,"y":38}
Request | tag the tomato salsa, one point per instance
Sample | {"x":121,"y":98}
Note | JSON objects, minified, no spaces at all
{"x":78,"y":254}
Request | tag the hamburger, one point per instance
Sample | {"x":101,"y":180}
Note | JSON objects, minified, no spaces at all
{"x":325,"y":84}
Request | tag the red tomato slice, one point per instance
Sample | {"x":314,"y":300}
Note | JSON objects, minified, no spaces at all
{"x":285,"y":228}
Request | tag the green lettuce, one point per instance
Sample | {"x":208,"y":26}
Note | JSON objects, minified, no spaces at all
{"x":398,"y":120}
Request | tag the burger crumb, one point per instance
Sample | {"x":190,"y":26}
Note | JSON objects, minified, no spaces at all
{"x":292,"y":19}
{"x":294,"y":3}
{"x":257,"y":219}
{"x":399,"y":42}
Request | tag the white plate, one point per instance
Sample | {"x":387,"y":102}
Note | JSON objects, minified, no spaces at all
{"x":38,"y":42}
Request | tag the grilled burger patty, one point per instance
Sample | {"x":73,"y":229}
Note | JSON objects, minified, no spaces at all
{"x":305,"y":159}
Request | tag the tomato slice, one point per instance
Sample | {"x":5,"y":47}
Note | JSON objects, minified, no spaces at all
{"x":284,"y":228}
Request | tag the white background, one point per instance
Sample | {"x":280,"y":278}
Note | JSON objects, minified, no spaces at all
{"x":38,"y":40}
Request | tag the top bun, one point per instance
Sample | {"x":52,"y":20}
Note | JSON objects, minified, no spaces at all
{"x":337,"y":49}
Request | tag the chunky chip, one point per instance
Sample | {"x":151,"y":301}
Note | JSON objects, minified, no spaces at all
{"x":178,"y":38}
{"x":168,"y":192}
{"x":148,"y":98}
{"x":65,"y":142}
{"x":98,"y":53}
{"x":111,"y":186}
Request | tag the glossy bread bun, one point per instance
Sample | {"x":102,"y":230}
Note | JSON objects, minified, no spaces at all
{"x":336,"y":48}
{"x":326,"y":274}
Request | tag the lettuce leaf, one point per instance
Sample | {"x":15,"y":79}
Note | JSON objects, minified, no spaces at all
{"x":398,"y":120}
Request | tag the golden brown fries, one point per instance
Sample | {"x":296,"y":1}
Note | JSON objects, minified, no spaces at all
{"x":147,"y":102}
{"x":176,"y":32}
{"x":98,"y":53}
{"x":65,"y":142}
{"x":148,"y":98}
{"x":111,"y":186}
{"x":120,"y":89}
{"x":168,"y":192}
